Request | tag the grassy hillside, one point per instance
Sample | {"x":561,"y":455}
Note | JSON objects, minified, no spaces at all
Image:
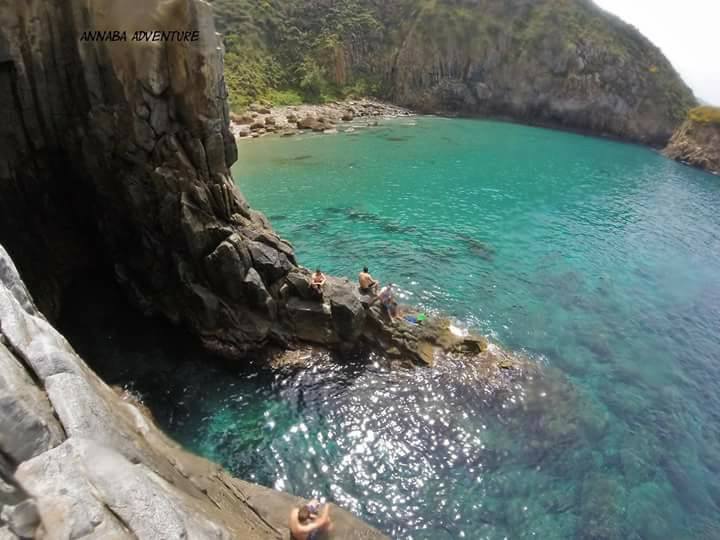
{"x":290,"y":51}
{"x":562,"y":62}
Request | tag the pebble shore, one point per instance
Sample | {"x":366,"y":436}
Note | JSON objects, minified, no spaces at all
{"x":333,"y":117}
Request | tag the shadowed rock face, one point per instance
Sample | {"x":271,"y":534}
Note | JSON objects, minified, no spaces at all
{"x":115,"y":158}
{"x":78,"y":461}
{"x":563,"y":63}
{"x":116,"y":155}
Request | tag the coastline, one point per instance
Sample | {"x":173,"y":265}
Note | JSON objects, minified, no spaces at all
{"x":289,"y":120}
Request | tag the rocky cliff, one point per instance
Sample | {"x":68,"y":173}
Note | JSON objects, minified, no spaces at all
{"x":115,"y":158}
{"x":77,"y":461}
{"x":563,"y":63}
{"x":697,"y":140}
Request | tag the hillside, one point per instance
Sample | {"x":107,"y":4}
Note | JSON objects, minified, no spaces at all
{"x":559,"y":62}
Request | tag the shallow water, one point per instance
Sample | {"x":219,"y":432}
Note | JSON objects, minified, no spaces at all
{"x":599,"y":260}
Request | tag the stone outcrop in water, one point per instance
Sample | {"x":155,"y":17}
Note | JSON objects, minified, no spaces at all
{"x":115,"y":158}
{"x":77,"y":461}
{"x":697,"y":141}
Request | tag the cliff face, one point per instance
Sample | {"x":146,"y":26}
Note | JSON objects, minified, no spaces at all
{"x":697,"y":141}
{"x":115,"y":156}
{"x":560,"y":62}
{"x":77,"y":461}
{"x":563,"y":63}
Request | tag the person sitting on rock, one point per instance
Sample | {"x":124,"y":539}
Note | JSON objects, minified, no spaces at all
{"x":387,"y":299}
{"x":307,"y":522}
{"x":367,"y":284}
{"x":317,"y":282}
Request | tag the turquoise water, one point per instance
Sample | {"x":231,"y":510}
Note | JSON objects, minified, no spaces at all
{"x":599,"y":260}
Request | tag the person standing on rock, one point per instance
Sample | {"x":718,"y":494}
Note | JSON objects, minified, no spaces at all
{"x":367,"y":284}
{"x":307,"y":522}
{"x":317,"y":282}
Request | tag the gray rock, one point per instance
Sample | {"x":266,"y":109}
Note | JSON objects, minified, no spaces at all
{"x":348,"y":313}
{"x":258,"y":294}
{"x":27,"y":424}
{"x":22,"y":519}
{"x":311,"y":321}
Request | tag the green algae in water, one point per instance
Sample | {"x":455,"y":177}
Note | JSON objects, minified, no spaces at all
{"x":600,"y":260}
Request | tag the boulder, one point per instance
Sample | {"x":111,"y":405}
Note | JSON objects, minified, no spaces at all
{"x":22,"y":519}
{"x":28,"y":426}
{"x":309,"y":122}
{"x":269,"y":262}
{"x":300,"y":282}
{"x":227,"y":266}
{"x":270,"y":121}
{"x":348,"y":313}
{"x":311,"y":321}
{"x":258,"y":294}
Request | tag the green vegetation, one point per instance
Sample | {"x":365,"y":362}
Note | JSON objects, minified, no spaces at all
{"x":705,"y":115}
{"x":288,"y":51}
{"x":285,"y":52}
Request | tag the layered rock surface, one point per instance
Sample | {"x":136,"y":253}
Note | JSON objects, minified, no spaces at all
{"x":697,"y":141}
{"x":77,"y":461}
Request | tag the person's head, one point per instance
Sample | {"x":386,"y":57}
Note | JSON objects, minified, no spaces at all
{"x":365,"y":269}
{"x":303,"y":514}
{"x":317,"y":271}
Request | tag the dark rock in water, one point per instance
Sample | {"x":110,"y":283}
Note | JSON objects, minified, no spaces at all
{"x":476,"y":247}
{"x":311,"y":321}
{"x":602,"y":508}
{"x":348,"y":313}
{"x":278,"y":217}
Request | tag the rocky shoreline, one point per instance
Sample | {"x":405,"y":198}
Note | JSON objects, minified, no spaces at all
{"x":697,"y":141}
{"x":261,"y":120}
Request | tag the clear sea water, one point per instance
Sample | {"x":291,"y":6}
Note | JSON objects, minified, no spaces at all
{"x":599,"y":260}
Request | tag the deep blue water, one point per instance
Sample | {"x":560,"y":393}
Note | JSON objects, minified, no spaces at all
{"x":599,"y":260}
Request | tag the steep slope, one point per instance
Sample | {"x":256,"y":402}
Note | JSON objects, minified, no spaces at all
{"x":697,"y":141}
{"x":77,"y":461}
{"x":559,"y":62}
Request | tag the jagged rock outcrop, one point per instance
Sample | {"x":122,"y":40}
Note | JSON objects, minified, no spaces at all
{"x":697,"y":141}
{"x":115,"y":157}
{"x":77,"y":461}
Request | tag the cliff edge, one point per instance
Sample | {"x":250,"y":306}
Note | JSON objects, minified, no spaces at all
{"x":77,"y":461}
{"x":115,"y":158}
{"x":697,"y":141}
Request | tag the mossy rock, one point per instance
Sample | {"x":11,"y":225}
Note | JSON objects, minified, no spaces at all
{"x":705,"y":115}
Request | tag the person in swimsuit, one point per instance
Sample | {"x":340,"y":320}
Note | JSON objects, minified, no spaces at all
{"x":367,"y":284}
{"x":308,"y":522}
{"x":317,"y":282}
